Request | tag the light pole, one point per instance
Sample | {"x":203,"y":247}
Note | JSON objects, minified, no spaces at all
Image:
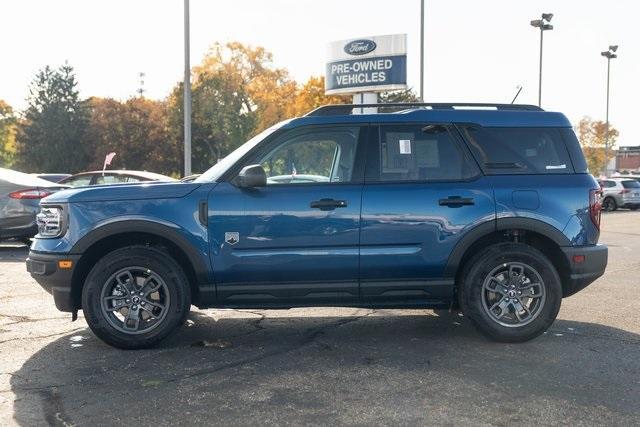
{"x":187,"y":93}
{"x":544,"y":25}
{"x":421,"y":50}
{"x":609,"y":54}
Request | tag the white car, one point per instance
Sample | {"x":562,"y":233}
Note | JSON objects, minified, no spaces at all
{"x":620,"y":193}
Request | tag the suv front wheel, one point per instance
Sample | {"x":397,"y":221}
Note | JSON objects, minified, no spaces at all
{"x":511,"y":292}
{"x":135,"y":296}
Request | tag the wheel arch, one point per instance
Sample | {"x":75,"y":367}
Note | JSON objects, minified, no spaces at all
{"x":114,"y":235}
{"x":536,"y":233}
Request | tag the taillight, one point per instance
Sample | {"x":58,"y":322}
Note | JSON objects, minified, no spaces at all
{"x":625,"y":191}
{"x":32,"y":193}
{"x":595,"y":206}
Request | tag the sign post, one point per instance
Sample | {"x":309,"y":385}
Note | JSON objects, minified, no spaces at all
{"x":365,"y":66}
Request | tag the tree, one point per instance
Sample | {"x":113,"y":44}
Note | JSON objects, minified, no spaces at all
{"x":136,"y":130}
{"x":311,"y":95}
{"x":592,"y":136}
{"x":50,"y":138}
{"x":406,"y":95}
{"x":236,"y":92}
{"x":7,"y":135}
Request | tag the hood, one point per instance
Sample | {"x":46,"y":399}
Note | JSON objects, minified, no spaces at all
{"x":106,"y":193}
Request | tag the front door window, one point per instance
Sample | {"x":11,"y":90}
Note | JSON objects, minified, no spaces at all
{"x":322,"y":156}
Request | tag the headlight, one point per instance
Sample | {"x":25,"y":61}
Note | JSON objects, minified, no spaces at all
{"x":50,"y":222}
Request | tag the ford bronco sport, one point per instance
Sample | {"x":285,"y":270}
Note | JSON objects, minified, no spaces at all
{"x":489,"y":208}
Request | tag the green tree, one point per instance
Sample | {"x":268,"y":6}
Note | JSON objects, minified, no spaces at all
{"x":406,"y":95}
{"x":7,"y":135}
{"x":136,"y":130}
{"x":236,"y":93}
{"x":592,"y":137}
{"x":50,"y":138}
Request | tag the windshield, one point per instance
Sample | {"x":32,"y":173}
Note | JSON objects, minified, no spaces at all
{"x":221,"y":167}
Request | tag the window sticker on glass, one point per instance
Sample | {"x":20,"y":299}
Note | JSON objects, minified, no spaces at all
{"x":405,"y":146}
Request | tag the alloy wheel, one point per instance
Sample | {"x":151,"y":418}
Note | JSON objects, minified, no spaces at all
{"x":134,"y":300}
{"x":513,"y":294}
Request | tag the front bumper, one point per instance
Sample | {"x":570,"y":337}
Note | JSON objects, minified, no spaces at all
{"x":44,"y":268}
{"x":583,"y":273}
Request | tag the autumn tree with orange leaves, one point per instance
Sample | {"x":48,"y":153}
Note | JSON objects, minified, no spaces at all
{"x":592,"y":137}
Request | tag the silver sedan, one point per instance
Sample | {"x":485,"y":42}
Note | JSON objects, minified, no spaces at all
{"x":20,"y":195}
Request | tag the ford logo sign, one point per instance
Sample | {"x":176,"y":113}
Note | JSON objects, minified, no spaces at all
{"x":360,"y":47}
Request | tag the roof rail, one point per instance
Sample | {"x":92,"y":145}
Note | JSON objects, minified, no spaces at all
{"x":347,"y":109}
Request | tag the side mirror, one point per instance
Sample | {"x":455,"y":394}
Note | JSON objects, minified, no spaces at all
{"x":252,"y":176}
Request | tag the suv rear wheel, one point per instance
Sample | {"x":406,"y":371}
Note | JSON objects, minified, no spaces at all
{"x":609,"y":204}
{"x":511,"y":292}
{"x":135,"y":296}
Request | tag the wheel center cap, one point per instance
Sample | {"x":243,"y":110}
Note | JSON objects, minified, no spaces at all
{"x":512,"y":294}
{"x":136,"y":300}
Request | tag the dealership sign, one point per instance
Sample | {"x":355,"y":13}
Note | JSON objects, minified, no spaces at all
{"x":372,"y":64}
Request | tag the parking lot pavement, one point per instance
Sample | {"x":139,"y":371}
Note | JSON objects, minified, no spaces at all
{"x":329,"y":366}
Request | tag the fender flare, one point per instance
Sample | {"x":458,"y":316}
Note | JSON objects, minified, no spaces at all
{"x":165,"y":230}
{"x":489,"y":227}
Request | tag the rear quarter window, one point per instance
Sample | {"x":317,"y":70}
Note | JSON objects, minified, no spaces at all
{"x":508,"y":151}
{"x":631,"y":184}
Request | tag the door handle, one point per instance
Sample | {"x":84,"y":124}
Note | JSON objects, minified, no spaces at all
{"x":328,"y":204}
{"x":456,"y":201}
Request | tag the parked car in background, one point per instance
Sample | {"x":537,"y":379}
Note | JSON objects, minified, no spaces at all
{"x":20,"y":195}
{"x":113,"y":177}
{"x":620,"y":193}
{"x":635,"y":177}
{"x":52,"y":177}
{"x":190,"y":178}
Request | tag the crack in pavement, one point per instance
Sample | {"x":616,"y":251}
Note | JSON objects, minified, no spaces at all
{"x":316,"y":332}
{"x":42,"y":336}
{"x":25,"y":319}
{"x":304,"y":342}
{"x":53,"y":409}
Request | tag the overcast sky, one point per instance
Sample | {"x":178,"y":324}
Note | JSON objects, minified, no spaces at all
{"x":475,"y":50}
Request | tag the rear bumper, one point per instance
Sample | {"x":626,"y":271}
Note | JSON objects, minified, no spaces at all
{"x":581,"y":274}
{"x":55,"y":280}
{"x":24,"y":226}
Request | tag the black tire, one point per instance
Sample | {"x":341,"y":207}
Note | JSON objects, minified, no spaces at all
{"x":609,"y":204}
{"x":634,"y":207}
{"x":177,"y":291}
{"x":480,"y":268}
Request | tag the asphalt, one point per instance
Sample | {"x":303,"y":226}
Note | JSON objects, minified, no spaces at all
{"x":329,"y":366}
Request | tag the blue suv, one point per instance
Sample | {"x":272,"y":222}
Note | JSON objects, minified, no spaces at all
{"x":489,"y":208}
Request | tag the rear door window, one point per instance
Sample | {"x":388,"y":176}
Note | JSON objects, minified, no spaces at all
{"x":507,"y":151}
{"x":421,"y":153}
{"x":631,"y":184}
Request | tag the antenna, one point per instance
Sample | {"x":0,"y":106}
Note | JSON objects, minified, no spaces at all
{"x":517,"y":93}
{"x":141,"y":89}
